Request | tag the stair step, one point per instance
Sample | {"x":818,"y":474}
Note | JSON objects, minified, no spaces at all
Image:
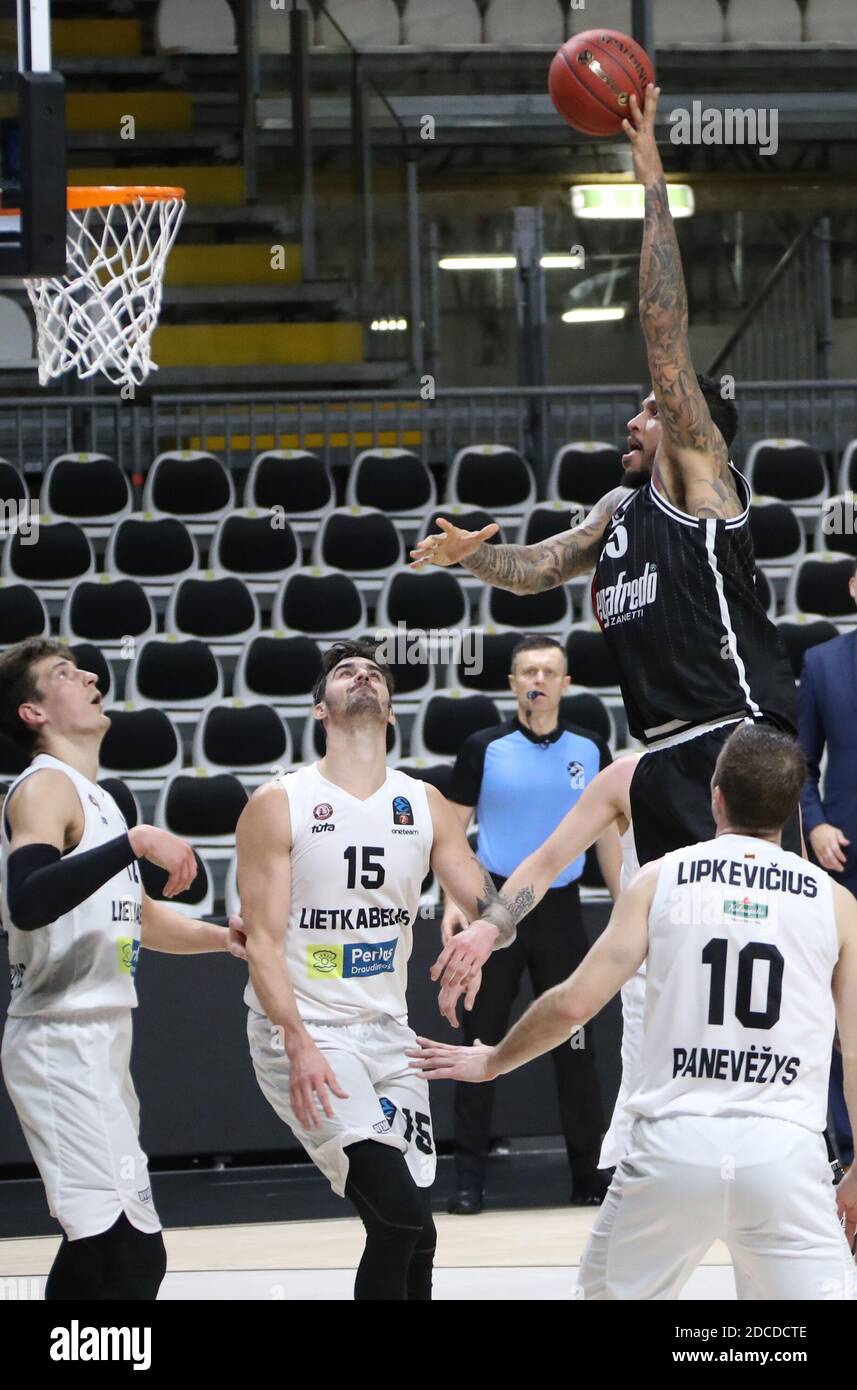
{"x":152,"y":142}
{"x":321,"y":376}
{"x":106,"y":111}
{"x":257,"y":344}
{"x":314,"y":293}
{"x":223,"y":184}
{"x":230,"y":264}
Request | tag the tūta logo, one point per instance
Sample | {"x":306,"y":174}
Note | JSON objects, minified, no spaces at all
{"x":402,"y":813}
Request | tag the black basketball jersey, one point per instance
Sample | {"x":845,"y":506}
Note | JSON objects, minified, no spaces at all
{"x":676,"y":599}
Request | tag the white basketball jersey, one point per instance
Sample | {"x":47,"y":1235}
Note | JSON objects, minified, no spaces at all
{"x":87,"y":958}
{"x":357,"y":870}
{"x":739,"y":1015}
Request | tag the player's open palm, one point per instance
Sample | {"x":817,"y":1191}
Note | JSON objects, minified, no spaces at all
{"x":448,"y":1062}
{"x":452,"y":545}
{"x":311,"y":1079}
{"x":640,"y":130}
{"x":169,"y":852}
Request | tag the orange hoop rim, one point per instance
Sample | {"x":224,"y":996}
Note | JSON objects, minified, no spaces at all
{"x":105,"y":195}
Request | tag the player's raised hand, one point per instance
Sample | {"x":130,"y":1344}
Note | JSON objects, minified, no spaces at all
{"x":447,"y":1062}
{"x":451,"y":546}
{"x":640,"y":130}
{"x":310,"y":1079}
{"x":169,"y":852}
{"x":236,"y":940}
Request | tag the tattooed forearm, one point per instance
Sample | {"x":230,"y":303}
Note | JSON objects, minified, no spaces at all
{"x":522,"y":903}
{"x":492,"y":908}
{"x":684,"y":414}
{"x":530,"y":569}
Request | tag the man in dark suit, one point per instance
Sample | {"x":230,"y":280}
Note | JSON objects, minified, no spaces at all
{"x":828,"y":716}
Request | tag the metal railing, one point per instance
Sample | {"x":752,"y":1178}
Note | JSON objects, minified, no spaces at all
{"x":336,"y":425}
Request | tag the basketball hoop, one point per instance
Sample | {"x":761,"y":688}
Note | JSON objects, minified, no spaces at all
{"x":100,"y":315}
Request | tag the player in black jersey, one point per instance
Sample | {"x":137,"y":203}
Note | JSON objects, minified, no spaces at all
{"x":674,"y":580}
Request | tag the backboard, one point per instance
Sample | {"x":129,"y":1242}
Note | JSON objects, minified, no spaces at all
{"x":32,"y":143}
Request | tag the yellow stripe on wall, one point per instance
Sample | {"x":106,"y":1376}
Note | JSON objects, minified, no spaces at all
{"x":222,"y":183}
{"x":386,"y":439}
{"x":85,"y":38}
{"x":257,"y":344}
{"x":106,"y":111}
{"x":229,"y":264}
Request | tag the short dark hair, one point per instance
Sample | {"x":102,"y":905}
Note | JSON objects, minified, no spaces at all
{"x":18,"y":686}
{"x":533,"y":642}
{"x":341,"y":651}
{"x":723,"y":412}
{"x":760,"y":773}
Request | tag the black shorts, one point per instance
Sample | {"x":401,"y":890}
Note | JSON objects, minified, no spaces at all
{"x":671,"y":797}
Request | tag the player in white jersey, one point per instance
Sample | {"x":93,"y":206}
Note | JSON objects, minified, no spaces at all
{"x":331,"y":860}
{"x":751,"y":957}
{"x":77,"y":914}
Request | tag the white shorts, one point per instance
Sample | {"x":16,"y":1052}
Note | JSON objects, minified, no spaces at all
{"x":69,"y":1080}
{"x":762,"y":1186}
{"x":387,"y":1101}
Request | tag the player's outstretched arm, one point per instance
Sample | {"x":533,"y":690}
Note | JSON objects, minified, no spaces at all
{"x":696,"y":462}
{"x":263,"y":841}
{"x":616,"y":955}
{"x":522,"y":569}
{"x":599,"y":806}
{"x":845,"y":999}
{"x":163,"y":929}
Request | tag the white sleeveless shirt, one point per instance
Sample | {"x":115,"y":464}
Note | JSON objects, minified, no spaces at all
{"x":739,"y":1014}
{"x":357,"y":868}
{"x":87,"y":958}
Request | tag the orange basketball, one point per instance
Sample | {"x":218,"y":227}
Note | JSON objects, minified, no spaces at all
{"x":592,"y":77}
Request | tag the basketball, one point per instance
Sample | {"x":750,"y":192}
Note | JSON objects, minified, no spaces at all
{"x":592,"y":77}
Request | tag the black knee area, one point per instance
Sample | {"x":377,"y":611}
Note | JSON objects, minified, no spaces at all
{"x":422,"y":1261}
{"x":390,"y":1206}
{"x":120,"y":1263}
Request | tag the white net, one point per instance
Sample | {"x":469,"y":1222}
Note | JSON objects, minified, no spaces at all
{"x":100,"y":315}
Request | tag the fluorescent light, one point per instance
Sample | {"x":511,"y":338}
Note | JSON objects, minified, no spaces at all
{"x":626,"y":200}
{"x":554,"y":260}
{"x":605,"y":315}
{"x":477,"y":262}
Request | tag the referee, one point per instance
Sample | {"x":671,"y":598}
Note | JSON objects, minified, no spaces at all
{"x":522,"y":777}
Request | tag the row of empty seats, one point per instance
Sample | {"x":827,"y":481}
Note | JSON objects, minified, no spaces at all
{"x":327,"y":603}
{"x":322,"y":603}
{"x":208,"y":26}
{"x":196,"y":486}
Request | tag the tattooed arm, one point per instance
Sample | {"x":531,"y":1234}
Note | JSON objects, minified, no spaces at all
{"x":522,"y":569}
{"x":602,"y":805}
{"x":692,"y":466}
